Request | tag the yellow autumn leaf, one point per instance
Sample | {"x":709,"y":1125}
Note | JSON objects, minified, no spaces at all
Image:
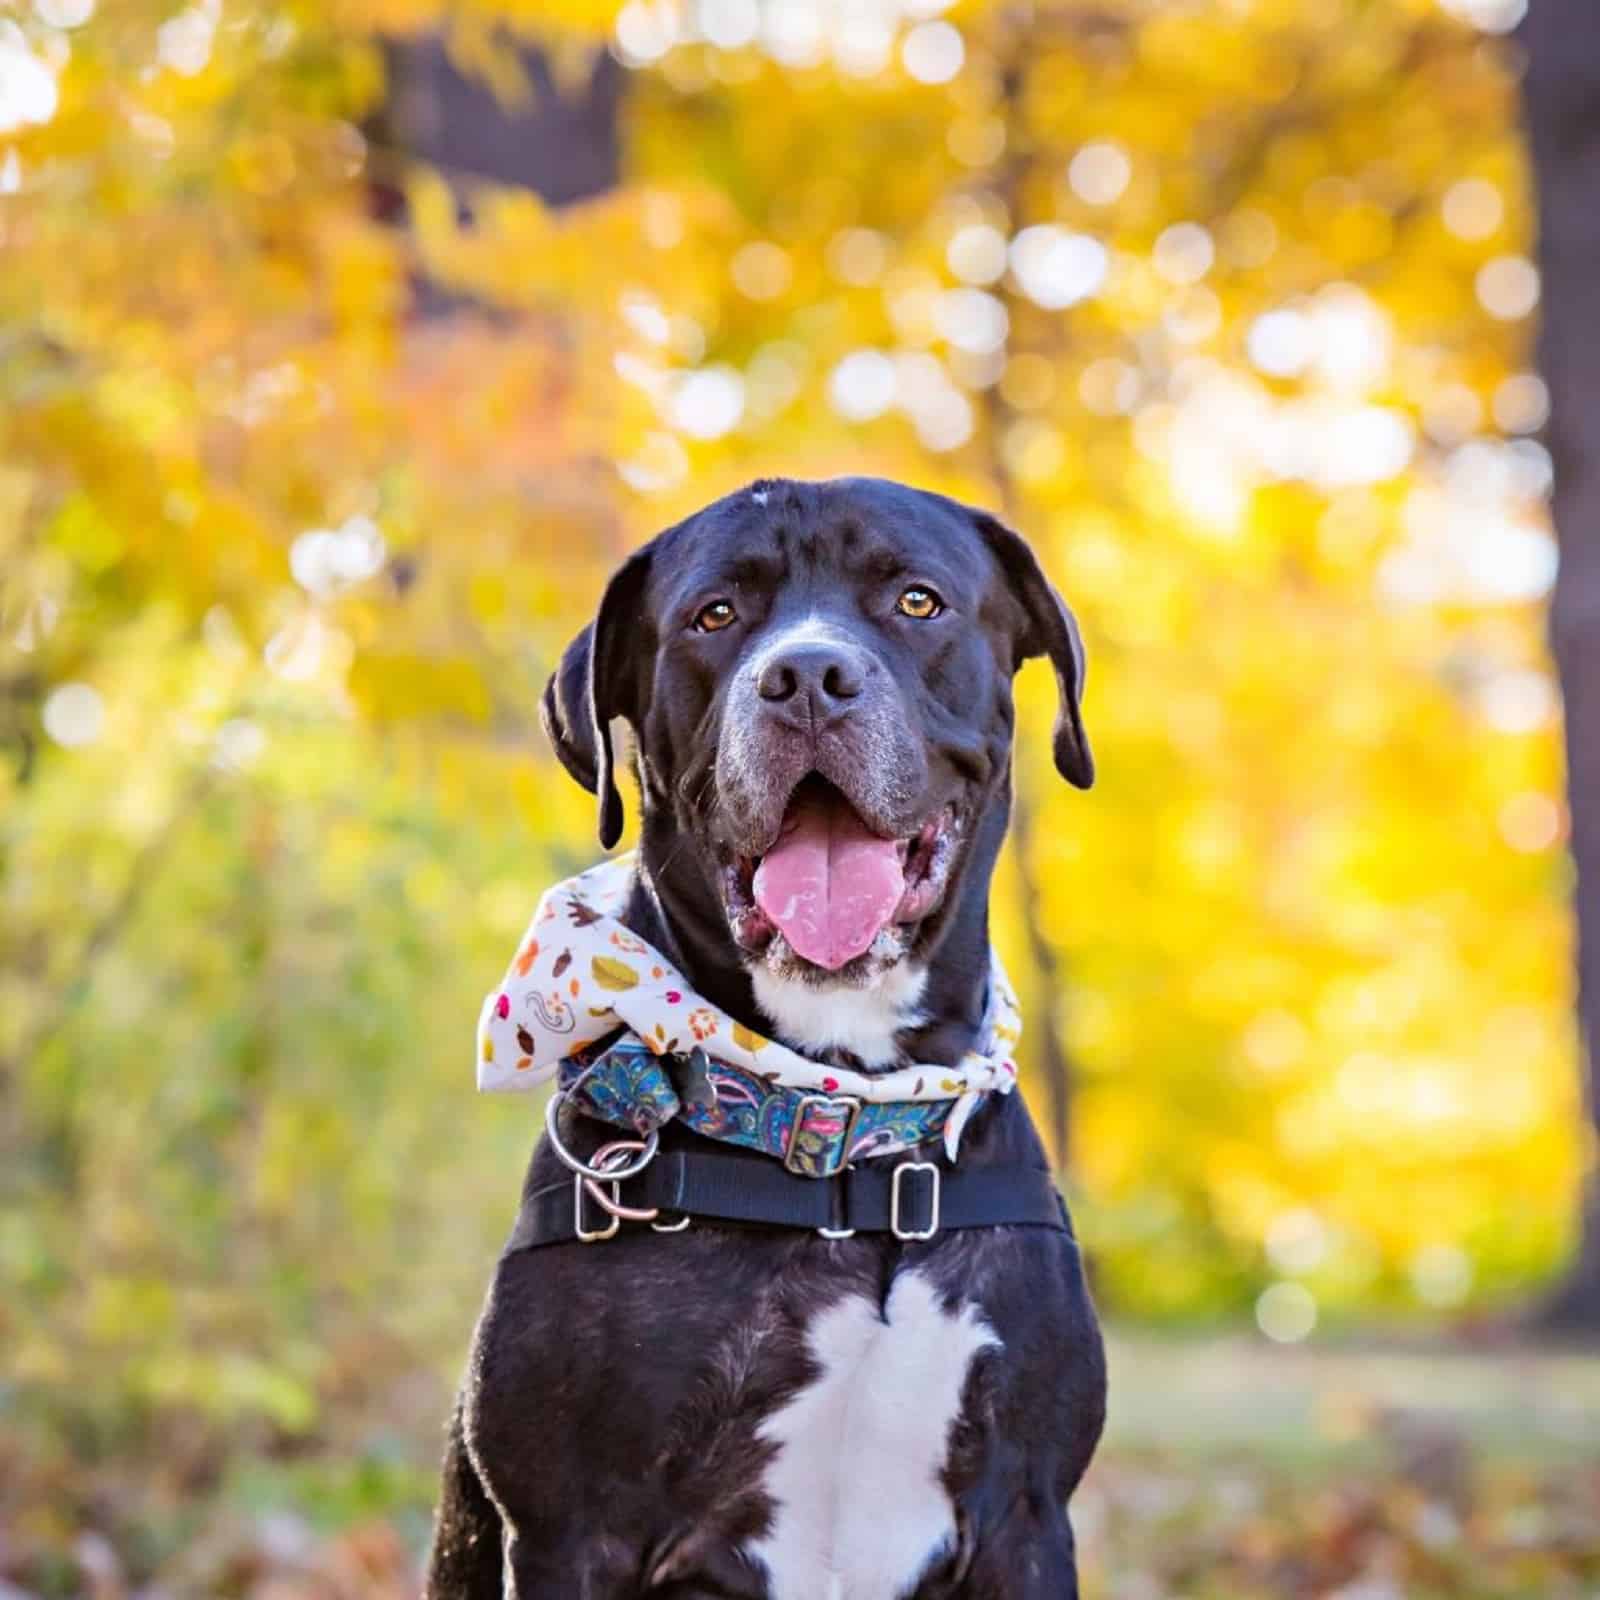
{"x":612,"y":974}
{"x":748,"y":1039}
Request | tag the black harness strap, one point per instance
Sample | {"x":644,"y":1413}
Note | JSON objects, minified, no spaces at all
{"x":902,"y":1195}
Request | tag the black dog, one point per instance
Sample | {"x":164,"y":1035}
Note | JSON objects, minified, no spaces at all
{"x":769,"y":1412}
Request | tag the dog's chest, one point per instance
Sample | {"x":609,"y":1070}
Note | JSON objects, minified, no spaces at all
{"x":860,"y":1509}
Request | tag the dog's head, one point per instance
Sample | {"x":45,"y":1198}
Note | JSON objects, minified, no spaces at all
{"x":818,"y":679}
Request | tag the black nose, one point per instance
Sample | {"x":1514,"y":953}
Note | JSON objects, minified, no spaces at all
{"x":819,"y":677}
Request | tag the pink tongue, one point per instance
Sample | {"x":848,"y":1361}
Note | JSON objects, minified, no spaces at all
{"x":829,"y":882}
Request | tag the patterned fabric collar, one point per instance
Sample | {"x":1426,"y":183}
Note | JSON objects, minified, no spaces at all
{"x":581,"y":979}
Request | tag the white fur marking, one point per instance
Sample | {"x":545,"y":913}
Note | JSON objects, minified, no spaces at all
{"x":810,"y":629}
{"x":836,"y":1016}
{"x":861,"y":1511}
{"x":759,"y":496}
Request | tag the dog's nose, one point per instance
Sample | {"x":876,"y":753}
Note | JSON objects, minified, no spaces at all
{"x":821,"y":678}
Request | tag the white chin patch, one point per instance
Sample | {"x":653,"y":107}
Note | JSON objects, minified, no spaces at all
{"x":823,"y":1016}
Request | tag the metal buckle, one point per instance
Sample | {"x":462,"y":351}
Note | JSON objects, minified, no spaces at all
{"x":907,"y":1234}
{"x":588,"y":1236}
{"x":853,"y":1107}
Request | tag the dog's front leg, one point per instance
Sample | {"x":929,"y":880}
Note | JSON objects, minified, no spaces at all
{"x":465,"y":1560}
{"x":1027,"y":1553}
{"x":594,"y":1566}
{"x":1045,"y":1569}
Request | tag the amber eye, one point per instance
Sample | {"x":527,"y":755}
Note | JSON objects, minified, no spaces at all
{"x":713,"y":618}
{"x":919,"y":603}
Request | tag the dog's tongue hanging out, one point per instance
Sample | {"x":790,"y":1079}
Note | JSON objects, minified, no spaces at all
{"x":829,"y":882}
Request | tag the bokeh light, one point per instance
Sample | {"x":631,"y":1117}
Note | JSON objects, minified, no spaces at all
{"x":74,"y":715}
{"x":1286,"y":1313}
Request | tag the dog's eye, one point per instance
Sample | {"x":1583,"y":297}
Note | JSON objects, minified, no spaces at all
{"x":920,"y":603}
{"x":714,"y":617}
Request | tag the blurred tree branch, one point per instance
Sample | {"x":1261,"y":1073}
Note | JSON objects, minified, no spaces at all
{"x":142,"y":873}
{"x":1008,"y":184}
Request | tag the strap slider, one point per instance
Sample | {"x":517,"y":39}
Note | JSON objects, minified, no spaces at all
{"x":590,"y":1235}
{"x":896,"y":1200}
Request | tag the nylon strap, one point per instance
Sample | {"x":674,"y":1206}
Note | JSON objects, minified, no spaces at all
{"x":728,"y":1185}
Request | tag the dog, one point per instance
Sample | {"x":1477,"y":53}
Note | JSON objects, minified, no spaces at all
{"x":774,"y":1413}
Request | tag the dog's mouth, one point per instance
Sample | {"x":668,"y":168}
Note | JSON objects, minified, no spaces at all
{"x":830,"y":890}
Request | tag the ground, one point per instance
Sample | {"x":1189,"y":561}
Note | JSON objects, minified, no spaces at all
{"x":1232,"y":1470}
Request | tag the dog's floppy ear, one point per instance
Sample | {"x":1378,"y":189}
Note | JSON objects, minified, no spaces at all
{"x":564,"y":711}
{"x":1051,"y":630}
{"x":600,"y":677}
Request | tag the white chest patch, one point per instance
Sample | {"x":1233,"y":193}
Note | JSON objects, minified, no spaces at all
{"x":834,"y":1016}
{"x":860,"y":1509}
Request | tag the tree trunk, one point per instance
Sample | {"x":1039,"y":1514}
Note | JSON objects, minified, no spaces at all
{"x":563,"y":146}
{"x":1563,"y":116}
{"x":1043,"y":1039}
{"x":1050,"y":1051}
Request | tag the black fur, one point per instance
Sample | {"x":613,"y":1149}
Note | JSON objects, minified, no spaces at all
{"x":606,"y":1441}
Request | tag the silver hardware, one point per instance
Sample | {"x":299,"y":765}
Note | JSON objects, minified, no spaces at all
{"x":672,"y":1227}
{"x":580,"y":1185}
{"x":894,"y":1201}
{"x":552,"y":1112}
{"x":837,"y":1233}
{"x":608,"y":1166}
{"x":852,"y":1106}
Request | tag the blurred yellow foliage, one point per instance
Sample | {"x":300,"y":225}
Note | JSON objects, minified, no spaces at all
{"x":1224,"y":305}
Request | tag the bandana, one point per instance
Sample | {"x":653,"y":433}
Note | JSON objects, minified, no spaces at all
{"x":589,"y":999}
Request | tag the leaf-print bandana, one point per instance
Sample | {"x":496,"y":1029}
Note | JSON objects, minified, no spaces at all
{"x":580,"y":975}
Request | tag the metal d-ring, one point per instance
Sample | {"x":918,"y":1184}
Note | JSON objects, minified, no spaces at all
{"x":552,"y":1112}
